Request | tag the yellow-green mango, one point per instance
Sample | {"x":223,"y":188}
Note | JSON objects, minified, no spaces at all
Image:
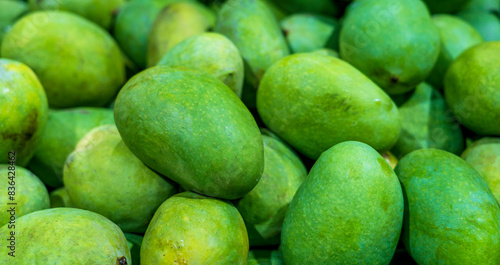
{"x":189,"y":228}
{"x":308,"y":32}
{"x":314,"y":101}
{"x":23,"y":112}
{"x":451,"y":217}
{"x":349,"y":210}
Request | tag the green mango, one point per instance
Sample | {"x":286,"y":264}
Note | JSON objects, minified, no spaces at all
{"x":263,"y":209}
{"x":78,"y":63}
{"x":326,"y":7}
{"x":345,"y":105}
{"x":193,"y":229}
{"x":426,"y":122}
{"x":192,"y":120}
{"x":327,"y":52}
{"x":102,"y":175}
{"x":308,"y":32}
{"x":484,"y":156}
{"x":349,"y":210}
{"x":212,"y":53}
{"x":135,"y":242}
{"x":97,"y":11}
{"x":23,"y":188}
{"x":265,"y":257}
{"x":23,"y":112}
{"x":254,"y":30}
{"x":471,"y":88}
{"x":445,"y":6}
{"x":66,"y":236}
{"x":10,"y":11}
{"x":483,"y":5}
{"x":175,"y":23}
{"x":60,"y":198}
{"x":456,"y":36}
{"x":63,"y":131}
{"x":451,"y":217}
{"x":486,"y":23}
{"x":393,"y":42}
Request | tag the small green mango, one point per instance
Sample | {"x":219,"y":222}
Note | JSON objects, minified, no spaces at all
{"x":456,"y":36}
{"x":192,"y":120}
{"x":263,"y":209}
{"x":326,"y":7}
{"x":445,"y":6}
{"x":60,"y":198}
{"x":103,"y":176}
{"x":135,"y":242}
{"x":471,"y":88}
{"x":426,"y":122}
{"x":392,"y":42}
{"x":63,"y":131}
{"x":100,"y":12}
{"x":175,"y":23}
{"x":212,"y":53}
{"x":28,"y":193}
{"x":23,"y":112}
{"x":486,"y":23}
{"x":265,"y":257}
{"x":451,"y":217}
{"x":484,"y":156}
{"x":78,"y":63}
{"x":66,"y":236}
{"x":483,"y":5}
{"x":308,"y":32}
{"x":349,"y":210}
{"x":345,"y":104}
{"x":193,"y":229}
{"x":10,"y":11}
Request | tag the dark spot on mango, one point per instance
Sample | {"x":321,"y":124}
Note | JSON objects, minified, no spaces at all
{"x":394,"y":79}
{"x":121,"y":261}
{"x":26,"y":133}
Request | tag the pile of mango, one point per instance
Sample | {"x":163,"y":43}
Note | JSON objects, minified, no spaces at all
{"x":250,"y":132}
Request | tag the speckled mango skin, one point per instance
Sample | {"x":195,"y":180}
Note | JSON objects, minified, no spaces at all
{"x":263,"y":209}
{"x":486,"y":23}
{"x":471,"y":88}
{"x":9,"y":12}
{"x":97,"y":11}
{"x":456,"y":36}
{"x":60,"y":198}
{"x":63,"y":131}
{"x":426,"y":122}
{"x":30,"y":193}
{"x":254,"y":30}
{"x":66,"y":236}
{"x":23,"y":111}
{"x":451,"y":217}
{"x":392,"y":42}
{"x":78,"y":63}
{"x":193,"y":229}
{"x":340,"y":215}
{"x":265,"y":257}
{"x":175,"y":23}
{"x":307,"y":32}
{"x":484,"y":156}
{"x":314,"y":101}
{"x":193,"y":129}
{"x":102,"y":175}
{"x":445,"y":6}
{"x":212,"y":53}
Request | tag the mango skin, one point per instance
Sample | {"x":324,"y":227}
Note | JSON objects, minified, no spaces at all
{"x":456,"y":36}
{"x":331,"y":218}
{"x":97,"y":11}
{"x":484,"y":156}
{"x":9,"y":12}
{"x":486,"y":23}
{"x":23,"y":111}
{"x":193,"y":229}
{"x":308,"y":32}
{"x":102,"y":175}
{"x":175,"y":23}
{"x":78,"y":63}
{"x":60,"y":198}
{"x":30,"y":193}
{"x":451,"y":217}
{"x":252,"y":27}
{"x":345,"y":104}
{"x":390,"y":158}
{"x":192,"y":120}
{"x":426,"y":122}
{"x":445,"y":6}
{"x":392,"y":42}
{"x":327,"y":52}
{"x":263,"y":209}
{"x":72,"y":236}
{"x":63,"y":131}
{"x":212,"y":53}
{"x":471,"y":88}
{"x":265,"y":257}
